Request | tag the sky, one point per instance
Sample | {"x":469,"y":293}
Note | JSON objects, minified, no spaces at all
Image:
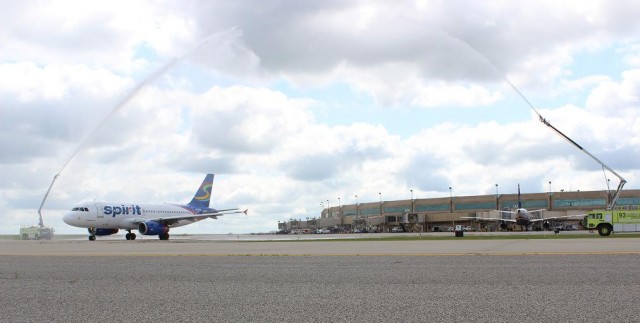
{"x":296,"y":104}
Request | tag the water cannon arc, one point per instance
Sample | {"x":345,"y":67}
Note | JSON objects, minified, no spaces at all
{"x":150,"y":78}
{"x":614,"y":198}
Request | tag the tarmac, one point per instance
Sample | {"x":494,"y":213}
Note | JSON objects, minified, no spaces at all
{"x":316,"y":245}
{"x":237,"y":279}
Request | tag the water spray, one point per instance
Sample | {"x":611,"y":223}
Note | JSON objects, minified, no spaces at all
{"x":119,"y":106}
{"x":616,"y":195}
{"x":131,"y":94}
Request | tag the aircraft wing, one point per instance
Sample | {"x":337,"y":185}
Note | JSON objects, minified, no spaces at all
{"x":488,"y":219}
{"x":514,"y":212}
{"x":223,"y":212}
{"x":192,"y":217}
{"x":558,"y":217}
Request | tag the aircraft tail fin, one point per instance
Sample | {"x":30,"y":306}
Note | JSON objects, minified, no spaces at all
{"x":519,"y":201}
{"x":203,"y":195}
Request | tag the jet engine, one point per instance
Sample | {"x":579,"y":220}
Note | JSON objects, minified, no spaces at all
{"x":152,"y":228}
{"x":102,"y":232}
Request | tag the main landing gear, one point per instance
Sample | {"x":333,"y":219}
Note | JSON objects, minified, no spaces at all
{"x":164,"y":236}
{"x":130,"y":236}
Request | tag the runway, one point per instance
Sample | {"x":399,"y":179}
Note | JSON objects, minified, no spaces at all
{"x":354,"y":281}
{"x":224,"y":245}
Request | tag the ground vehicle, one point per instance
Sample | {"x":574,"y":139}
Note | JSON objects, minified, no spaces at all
{"x":35,"y":232}
{"x":397,"y":229}
{"x":607,"y":221}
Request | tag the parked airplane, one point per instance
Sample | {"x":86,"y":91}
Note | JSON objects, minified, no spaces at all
{"x":106,"y":218}
{"x":523,"y":217}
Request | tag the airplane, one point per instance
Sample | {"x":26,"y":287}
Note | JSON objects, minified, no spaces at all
{"x":522,"y":217}
{"x":106,"y":218}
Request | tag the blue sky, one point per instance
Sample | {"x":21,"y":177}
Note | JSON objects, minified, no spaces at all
{"x":291,"y":104}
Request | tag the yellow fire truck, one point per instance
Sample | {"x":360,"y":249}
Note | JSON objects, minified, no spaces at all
{"x":607,"y":221}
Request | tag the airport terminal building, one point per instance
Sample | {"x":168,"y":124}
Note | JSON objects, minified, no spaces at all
{"x":441,"y":214}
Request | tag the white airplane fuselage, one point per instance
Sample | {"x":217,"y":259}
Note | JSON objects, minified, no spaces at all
{"x":106,"y":218}
{"x":115,"y":215}
{"x":522,"y":217}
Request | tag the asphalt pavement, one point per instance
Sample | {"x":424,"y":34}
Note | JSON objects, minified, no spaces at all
{"x":72,"y":281}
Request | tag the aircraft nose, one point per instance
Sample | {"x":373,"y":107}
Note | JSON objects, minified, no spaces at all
{"x":69,"y":218}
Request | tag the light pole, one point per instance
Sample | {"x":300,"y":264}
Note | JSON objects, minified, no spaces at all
{"x":450,"y":200}
{"x":412,"y":201}
{"x":340,"y":215}
{"x":497,"y":198}
{"x":328,"y":209}
{"x":357,"y":205}
{"x":383,"y":221}
{"x":550,"y":196}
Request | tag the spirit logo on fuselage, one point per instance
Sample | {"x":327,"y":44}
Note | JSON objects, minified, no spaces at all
{"x":117,"y":210}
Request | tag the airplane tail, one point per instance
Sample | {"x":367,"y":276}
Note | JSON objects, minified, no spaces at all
{"x":203,"y":195}
{"x":519,"y":201}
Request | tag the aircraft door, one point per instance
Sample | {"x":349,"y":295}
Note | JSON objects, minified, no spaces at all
{"x":99,"y":210}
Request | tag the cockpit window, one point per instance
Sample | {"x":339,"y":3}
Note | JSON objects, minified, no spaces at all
{"x":81,"y":209}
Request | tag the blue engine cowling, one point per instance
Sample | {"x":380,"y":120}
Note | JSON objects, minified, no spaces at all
{"x":152,"y":228}
{"x":102,"y":232}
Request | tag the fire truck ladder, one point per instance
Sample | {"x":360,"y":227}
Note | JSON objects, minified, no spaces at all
{"x":613,"y":199}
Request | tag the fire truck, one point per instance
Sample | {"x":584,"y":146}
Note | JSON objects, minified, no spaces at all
{"x":608,"y":221}
{"x":36,"y":232}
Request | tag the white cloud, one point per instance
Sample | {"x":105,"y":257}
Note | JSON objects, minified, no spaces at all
{"x":632,"y":55}
{"x":442,"y":94}
{"x":241,"y":119}
{"x":617,"y":99}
